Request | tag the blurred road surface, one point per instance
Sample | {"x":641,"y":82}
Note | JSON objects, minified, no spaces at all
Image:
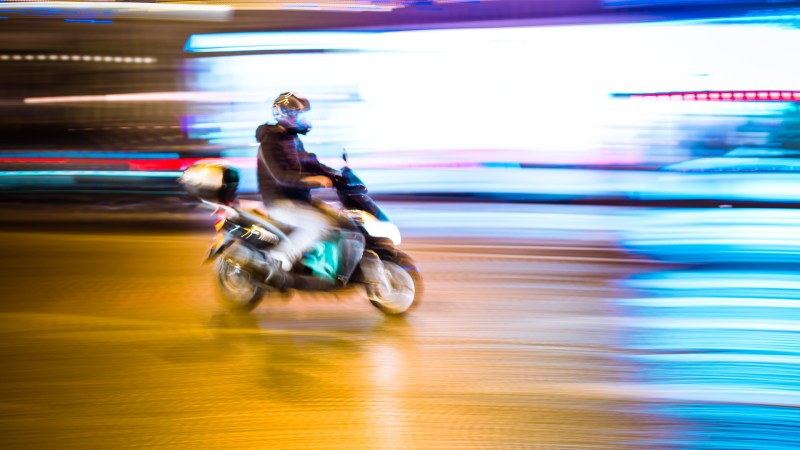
{"x":528,"y":337}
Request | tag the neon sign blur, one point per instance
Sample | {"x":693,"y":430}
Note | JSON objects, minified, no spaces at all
{"x":538,"y":95}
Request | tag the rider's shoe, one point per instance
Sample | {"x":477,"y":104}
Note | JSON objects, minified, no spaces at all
{"x":283,"y":261}
{"x":287,"y":254}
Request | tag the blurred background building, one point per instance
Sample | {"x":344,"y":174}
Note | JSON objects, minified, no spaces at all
{"x":536,"y":100}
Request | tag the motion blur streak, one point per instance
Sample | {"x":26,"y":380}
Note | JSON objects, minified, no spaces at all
{"x":109,"y":173}
{"x":457,"y":64}
{"x":538,"y":328}
{"x":81,"y":58}
{"x":126,"y":10}
{"x":216,"y":97}
{"x":318,"y":5}
{"x":238,"y":42}
{"x":552,"y":326}
{"x":724,"y":235}
{"x":44,"y":155}
{"x":716,"y":338}
{"x":762,"y":96}
{"x":335,"y":5}
{"x":513,"y":347}
{"x":371,"y":101}
{"x":724,"y":282}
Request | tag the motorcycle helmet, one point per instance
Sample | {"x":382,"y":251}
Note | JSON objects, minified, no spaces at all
{"x":212,"y":180}
{"x":292,"y":111}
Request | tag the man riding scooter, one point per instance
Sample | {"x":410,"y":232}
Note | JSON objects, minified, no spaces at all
{"x":355,"y":245}
{"x":287,"y":173}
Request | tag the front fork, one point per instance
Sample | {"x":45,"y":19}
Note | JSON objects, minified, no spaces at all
{"x":372,"y":271}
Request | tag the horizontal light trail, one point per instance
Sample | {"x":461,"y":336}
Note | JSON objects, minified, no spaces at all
{"x":725,"y":96}
{"x":16,"y":57}
{"x":38,"y":156}
{"x":115,"y":10}
{"x":146,"y":164}
{"x":177,"y":96}
{"x":103,"y":173}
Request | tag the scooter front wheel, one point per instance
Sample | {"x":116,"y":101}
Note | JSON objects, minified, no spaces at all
{"x":237,"y":289}
{"x":402,"y":290}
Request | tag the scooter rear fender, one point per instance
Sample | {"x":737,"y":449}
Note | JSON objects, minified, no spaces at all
{"x":220,"y":243}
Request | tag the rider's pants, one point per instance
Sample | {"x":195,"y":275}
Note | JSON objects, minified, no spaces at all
{"x":308,"y":224}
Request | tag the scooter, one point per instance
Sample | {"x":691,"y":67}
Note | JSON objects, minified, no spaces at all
{"x":362,"y":250}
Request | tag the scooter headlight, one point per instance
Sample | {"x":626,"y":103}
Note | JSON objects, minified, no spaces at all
{"x":383,"y":230}
{"x":375,"y":227}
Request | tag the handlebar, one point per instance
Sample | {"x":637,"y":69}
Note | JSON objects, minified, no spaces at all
{"x":345,"y":180}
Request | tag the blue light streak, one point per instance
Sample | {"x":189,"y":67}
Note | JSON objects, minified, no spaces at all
{"x":720,"y":281}
{"x":89,"y":155}
{"x":101,"y":22}
{"x":279,"y":41}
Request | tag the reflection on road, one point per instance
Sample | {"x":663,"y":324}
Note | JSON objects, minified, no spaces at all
{"x":299,"y":365}
{"x":113,"y":339}
{"x":542,"y":327}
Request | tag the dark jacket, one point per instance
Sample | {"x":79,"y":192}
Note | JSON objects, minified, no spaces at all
{"x":283,"y":163}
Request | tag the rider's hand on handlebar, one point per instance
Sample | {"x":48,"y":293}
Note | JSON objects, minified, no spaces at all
{"x":318,"y":181}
